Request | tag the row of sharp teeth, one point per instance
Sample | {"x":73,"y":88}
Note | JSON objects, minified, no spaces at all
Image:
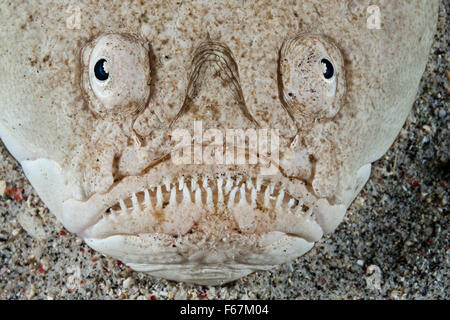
{"x":154,"y":197}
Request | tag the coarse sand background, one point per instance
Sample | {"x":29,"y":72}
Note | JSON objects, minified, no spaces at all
{"x":393,"y":243}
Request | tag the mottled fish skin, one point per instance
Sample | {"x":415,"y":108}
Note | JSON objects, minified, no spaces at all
{"x":93,"y":92}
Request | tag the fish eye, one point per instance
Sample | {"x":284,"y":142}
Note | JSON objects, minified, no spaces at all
{"x":312,"y":76}
{"x":116,"y":74}
{"x":99,"y":70}
{"x":328,"y":69}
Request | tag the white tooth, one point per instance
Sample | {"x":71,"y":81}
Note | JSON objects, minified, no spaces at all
{"x":198,"y":196}
{"x":267,"y":197}
{"x":272,"y":187}
{"x":249,"y":183}
{"x":209,"y":198}
{"x":205,"y":182}
{"x":123,"y":207}
{"x":291,"y":203}
{"x":280,"y":199}
{"x":186,"y":194}
{"x":258,"y":183}
{"x":243,"y":199}
{"x":194,"y":185}
{"x":159,"y":197}
{"x":229,"y":185}
{"x":219,"y":190}
{"x":135,"y":202}
{"x":180,"y":183}
{"x":238,"y":180}
{"x":309,"y":212}
{"x":254,"y":198}
{"x":167,"y":185}
{"x":232,"y":195}
{"x":147,"y":201}
{"x":173,"y":197}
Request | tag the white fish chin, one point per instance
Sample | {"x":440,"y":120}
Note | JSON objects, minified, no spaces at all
{"x":202,"y":262}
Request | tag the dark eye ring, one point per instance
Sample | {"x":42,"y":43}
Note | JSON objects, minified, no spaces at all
{"x":329,"y":69}
{"x":99,"y":70}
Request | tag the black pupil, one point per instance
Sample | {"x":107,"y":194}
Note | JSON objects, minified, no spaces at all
{"x":99,"y":71}
{"x":329,"y":72}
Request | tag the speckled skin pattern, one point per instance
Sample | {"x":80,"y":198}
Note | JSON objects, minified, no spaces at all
{"x":324,"y":187}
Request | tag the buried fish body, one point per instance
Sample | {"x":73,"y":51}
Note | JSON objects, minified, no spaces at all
{"x":97,"y":107}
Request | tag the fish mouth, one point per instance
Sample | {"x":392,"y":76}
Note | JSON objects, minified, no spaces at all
{"x":179,"y":199}
{"x":210,"y":214}
{"x":223,"y":222}
{"x":211,"y":206}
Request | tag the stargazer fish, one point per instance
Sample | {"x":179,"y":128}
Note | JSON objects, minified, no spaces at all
{"x":200,"y":141}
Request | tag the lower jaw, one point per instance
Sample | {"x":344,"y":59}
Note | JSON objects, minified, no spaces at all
{"x":187,"y":259}
{"x":216,"y":249}
{"x":206,"y":263}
